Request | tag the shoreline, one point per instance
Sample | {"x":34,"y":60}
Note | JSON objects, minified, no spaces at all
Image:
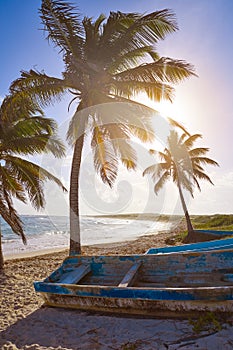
{"x":137,"y":246}
{"x":99,"y":235}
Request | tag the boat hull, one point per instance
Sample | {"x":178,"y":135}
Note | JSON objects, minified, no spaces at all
{"x":174,"y":285}
{"x":140,"y":306}
{"x":220,"y":244}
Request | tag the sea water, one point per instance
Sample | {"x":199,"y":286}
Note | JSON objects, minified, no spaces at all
{"x":49,"y":232}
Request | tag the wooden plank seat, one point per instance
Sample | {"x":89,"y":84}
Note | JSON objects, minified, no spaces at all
{"x":130,"y":276}
{"x":75,"y":275}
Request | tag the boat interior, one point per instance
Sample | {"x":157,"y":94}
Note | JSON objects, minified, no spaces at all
{"x":148,"y":271}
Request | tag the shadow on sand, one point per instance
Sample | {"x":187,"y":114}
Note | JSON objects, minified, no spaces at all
{"x":62,"y":329}
{"x":70,"y":329}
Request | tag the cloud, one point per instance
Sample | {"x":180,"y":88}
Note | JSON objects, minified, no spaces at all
{"x":214,"y":199}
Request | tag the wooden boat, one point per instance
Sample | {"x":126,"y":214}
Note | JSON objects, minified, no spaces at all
{"x":151,"y":285}
{"x":216,"y":233}
{"x":219,"y":244}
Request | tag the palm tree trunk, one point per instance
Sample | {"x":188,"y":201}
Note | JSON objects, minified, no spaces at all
{"x":75,"y":245}
{"x":187,"y":217}
{"x":1,"y":254}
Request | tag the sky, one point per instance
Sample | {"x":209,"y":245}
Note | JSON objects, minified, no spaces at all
{"x":203,"y":104}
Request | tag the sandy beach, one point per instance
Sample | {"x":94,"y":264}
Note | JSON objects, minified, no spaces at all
{"x":25,"y":323}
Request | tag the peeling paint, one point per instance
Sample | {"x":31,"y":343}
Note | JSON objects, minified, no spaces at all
{"x":190,"y":281}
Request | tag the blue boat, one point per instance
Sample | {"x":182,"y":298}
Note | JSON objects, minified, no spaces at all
{"x":179,"y":284}
{"x":219,"y":244}
{"x":216,"y":233}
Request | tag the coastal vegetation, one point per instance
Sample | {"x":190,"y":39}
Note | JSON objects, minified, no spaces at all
{"x":107,"y":63}
{"x":24,"y":131}
{"x":184,"y":165}
{"x":219,"y":222}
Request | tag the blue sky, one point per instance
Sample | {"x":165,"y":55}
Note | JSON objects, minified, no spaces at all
{"x":204,"y":104}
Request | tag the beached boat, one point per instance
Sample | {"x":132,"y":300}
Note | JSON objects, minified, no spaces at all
{"x":153,"y":285}
{"x":216,"y":233}
{"x":219,"y":244}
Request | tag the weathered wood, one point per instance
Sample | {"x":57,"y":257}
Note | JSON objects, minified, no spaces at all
{"x":227,"y":277}
{"x":180,"y":282}
{"x":76,"y":275}
{"x":130,"y":277}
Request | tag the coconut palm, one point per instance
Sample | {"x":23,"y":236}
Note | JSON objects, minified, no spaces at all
{"x":184,"y":165}
{"x":106,"y":61}
{"x":24,"y":131}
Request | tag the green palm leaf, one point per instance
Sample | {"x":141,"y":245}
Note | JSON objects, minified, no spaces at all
{"x":23,"y":133}
{"x":43,"y":89}
{"x":164,"y":70}
{"x":62,"y":22}
{"x":10,"y":216}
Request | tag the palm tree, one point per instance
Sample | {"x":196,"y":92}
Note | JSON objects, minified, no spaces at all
{"x":24,"y":131}
{"x":184,"y":165}
{"x":106,"y":61}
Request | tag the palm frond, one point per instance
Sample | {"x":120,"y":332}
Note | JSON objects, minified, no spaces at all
{"x":164,"y":70}
{"x":41,"y":88}
{"x":10,"y":216}
{"x":191,"y":140}
{"x":105,"y":160}
{"x":92,"y":36}
{"x":129,"y":59}
{"x":202,"y":176}
{"x":35,"y":144}
{"x":15,"y":107}
{"x":156,"y":170}
{"x":31,"y":176}
{"x":62,"y":22}
{"x":166,"y":156}
{"x":10,"y":184}
{"x":205,"y":160}
{"x":126,"y":153}
{"x":123,"y":32}
{"x":185,"y":180}
{"x":180,"y":126}
{"x":155,"y":91}
{"x":78,"y":124}
{"x":196,"y":152}
{"x":197,"y":183}
{"x":135,"y":118}
{"x":29,"y":127}
{"x":158,"y":186}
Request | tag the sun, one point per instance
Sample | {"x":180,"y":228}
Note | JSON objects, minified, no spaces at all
{"x":166,"y":108}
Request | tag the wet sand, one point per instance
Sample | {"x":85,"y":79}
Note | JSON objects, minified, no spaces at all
{"x":26,"y":324}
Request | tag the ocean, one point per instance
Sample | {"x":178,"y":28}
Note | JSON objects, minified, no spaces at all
{"x":49,"y":232}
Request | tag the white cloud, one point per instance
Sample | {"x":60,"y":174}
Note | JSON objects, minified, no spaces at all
{"x":217,"y":198}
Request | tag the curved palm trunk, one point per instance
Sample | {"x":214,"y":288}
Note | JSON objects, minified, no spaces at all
{"x":187,"y":217}
{"x":75,"y":246}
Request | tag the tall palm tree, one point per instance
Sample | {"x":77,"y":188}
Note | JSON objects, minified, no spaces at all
{"x":106,"y":61}
{"x":184,"y":165}
{"x":24,"y":131}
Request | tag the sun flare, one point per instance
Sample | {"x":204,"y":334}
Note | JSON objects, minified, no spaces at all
{"x":166,"y":108}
